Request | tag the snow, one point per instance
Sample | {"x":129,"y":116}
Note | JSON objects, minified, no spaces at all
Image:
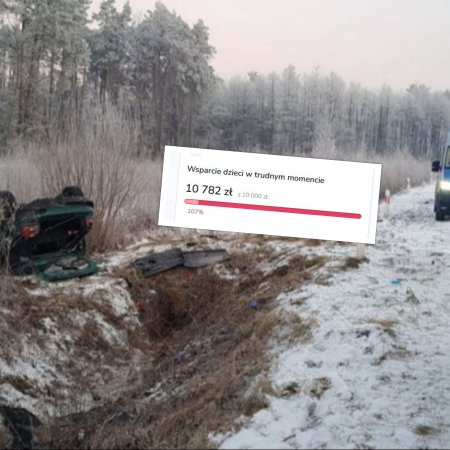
{"x":39,"y":372}
{"x":44,"y":366}
{"x":99,"y":288}
{"x":379,"y":351}
{"x":373,"y":374}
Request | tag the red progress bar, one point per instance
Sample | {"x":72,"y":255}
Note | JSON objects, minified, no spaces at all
{"x":282,"y":209}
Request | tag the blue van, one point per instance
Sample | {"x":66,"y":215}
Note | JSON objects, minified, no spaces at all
{"x":442,"y":194}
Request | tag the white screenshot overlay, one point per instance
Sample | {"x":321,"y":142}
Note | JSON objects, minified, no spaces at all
{"x":269,"y":194}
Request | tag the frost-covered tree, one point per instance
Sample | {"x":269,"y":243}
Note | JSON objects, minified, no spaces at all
{"x":109,"y":45}
{"x":54,"y":69}
{"x":315,"y":111}
{"x":169,"y":72}
{"x":43,"y":44}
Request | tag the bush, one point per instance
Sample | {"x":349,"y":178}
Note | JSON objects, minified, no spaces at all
{"x":398,"y":166}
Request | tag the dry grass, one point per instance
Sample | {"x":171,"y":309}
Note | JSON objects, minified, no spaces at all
{"x":425,"y":430}
{"x":314,"y":388}
{"x":311,"y":242}
{"x":102,"y":160}
{"x":399,"y":354}
{"x":295,"y":272}
{"x":288,"y":275}
{"x":302,"y":329}
{"x":208,"y":353}
{"x":92,"y":339}
{"x":19,"y":174}
{"x":14,"y":314}
{"x":319,"y":387}
{"x":208,"y":346}
{"x":203,"y":352}
{"x":386,"y":325}
{"x":397,"y":166}
{"x":98,"y":153}
{"x":74,"y":342}
{"x":352,"y":263}
{"x":21,"y":384}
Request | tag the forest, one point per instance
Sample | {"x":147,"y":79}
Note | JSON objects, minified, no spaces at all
{"x":91,"y":99}
{"x":57,"y":65}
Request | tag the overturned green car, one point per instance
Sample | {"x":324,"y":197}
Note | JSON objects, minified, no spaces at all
{"x":47,"y":237}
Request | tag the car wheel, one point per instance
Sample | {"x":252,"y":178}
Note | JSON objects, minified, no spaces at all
{"x":72,"y":191}
{"x":440,"y":216}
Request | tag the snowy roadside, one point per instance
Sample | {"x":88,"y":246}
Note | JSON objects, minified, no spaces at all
{"x":375,"y":373}
{"x":64,"y":327}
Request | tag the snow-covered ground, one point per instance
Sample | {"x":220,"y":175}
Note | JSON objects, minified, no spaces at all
{"x":376,"y":373}
{"x":37,"y":371}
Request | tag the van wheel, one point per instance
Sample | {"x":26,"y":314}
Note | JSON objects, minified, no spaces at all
{"x":72,"y":191}
{"x":440,"y":216}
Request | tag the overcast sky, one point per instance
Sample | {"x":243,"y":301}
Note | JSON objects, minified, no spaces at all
{"x":397,"y":42}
